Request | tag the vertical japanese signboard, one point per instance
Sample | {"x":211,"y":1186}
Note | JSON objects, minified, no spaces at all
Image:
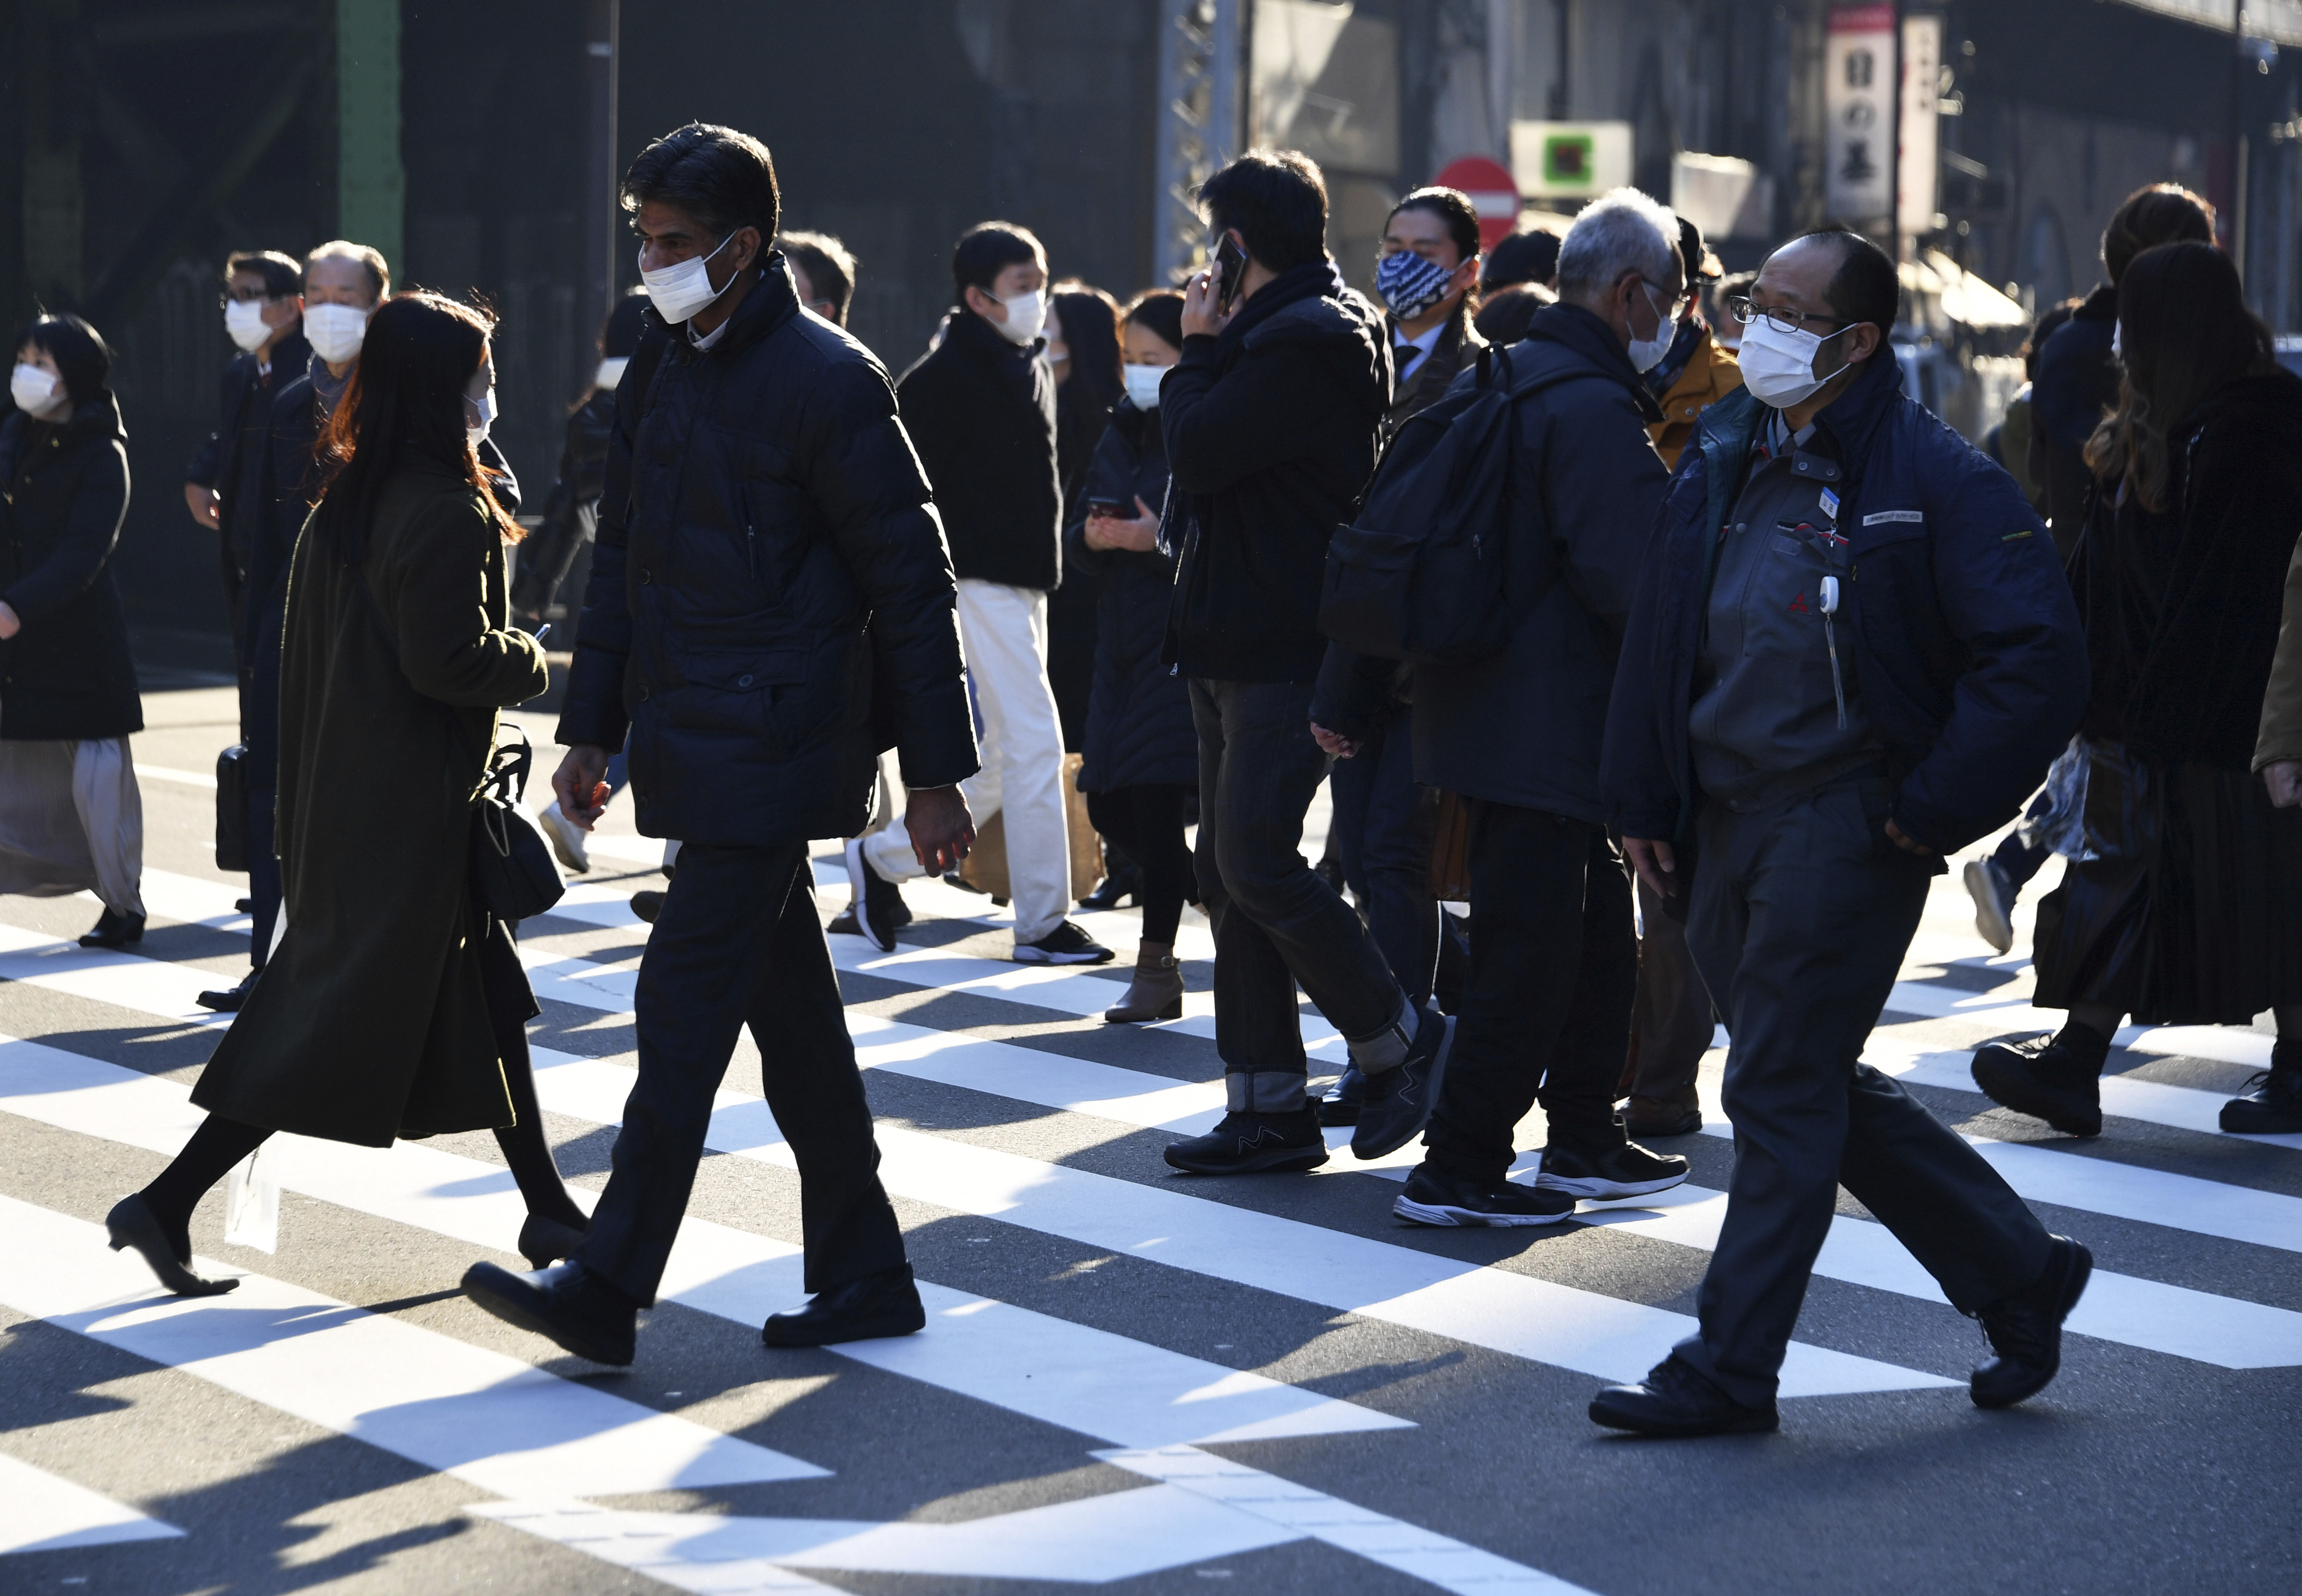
{"x":1915,"y":191}
{"x":1859,"y":89}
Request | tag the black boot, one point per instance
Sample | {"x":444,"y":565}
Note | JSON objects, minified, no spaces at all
{"x":114,"y":931}
{"x":2026,"y":1330}
{"x":2273,"y":1105}
{"x":2056,"y":1078}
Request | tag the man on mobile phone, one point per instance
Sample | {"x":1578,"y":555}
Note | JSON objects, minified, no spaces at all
{"x":1271,"y":420}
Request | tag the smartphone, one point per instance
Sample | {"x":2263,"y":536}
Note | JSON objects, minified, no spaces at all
{"x":1231,"y":265}
{"x":1112,"y":508}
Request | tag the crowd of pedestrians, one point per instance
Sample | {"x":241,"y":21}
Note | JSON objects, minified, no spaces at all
{"x":1637,"y":610}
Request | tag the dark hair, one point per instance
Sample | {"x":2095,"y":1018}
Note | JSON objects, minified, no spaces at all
{"x":830,"y":269}
{"x":619,"y":334}
{"x":2158,"y":214}
{"x":2045,"y":328}
{"x":1865,"y":288}
{"x":987,"y":249}
{"x":379,"y":271}
{"x":1691,"y":250}
{"x":2183,"y":331}
{"x":1161,"y":309}
{"x":406,"y":397}
{"x":282,"y":274}
{"x":1530,"y":257}
{"x":1451,"y":206}
{"x":1505,"y":315}
{"x":1277,"y":201}
{"x":82,"y":358}
{"x":724,"y":179}
{"x":1090,"y":319}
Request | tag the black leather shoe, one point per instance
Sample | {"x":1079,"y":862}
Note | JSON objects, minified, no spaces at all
{"x":2040,"y":1078}
{"x":1341,"y":1106}
{"x":2272,"y":1105}
{"x":544,"y":1241}
{"x":1396,"y":1103}
{"x":1253,"y":1144}
{"x":564,"y":1303}
{"x":114,"y":931}
{"x":647,"y":904}
{"x":885,"y":1303}
{"x":1116,"y":888}
{"x":132,"y":1223}
{"x":1676,"y":1399}
{"x":228,"y":1001}
{"x":244,"y":905}
{"x":2026,"y":1330}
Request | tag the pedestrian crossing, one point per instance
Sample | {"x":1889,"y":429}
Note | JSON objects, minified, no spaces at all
{"x":1013,"y":1124}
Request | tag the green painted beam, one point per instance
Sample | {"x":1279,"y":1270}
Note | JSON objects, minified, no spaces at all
{"x":371,"y":187}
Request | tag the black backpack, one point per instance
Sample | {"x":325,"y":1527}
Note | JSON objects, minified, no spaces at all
{"x":1418,"y":575}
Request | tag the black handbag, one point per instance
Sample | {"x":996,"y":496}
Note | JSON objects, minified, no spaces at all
{"x":513,"y":875}
{"x":232,"y":808}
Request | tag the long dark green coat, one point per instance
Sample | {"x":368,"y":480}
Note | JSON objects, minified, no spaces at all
{"x":369,"y":1022}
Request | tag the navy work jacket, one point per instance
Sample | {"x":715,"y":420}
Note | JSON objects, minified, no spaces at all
{"x":1969,"y":653}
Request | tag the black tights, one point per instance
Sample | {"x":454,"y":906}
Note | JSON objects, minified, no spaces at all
{"x":1148,"y":821}
{"x":220,"y":1143}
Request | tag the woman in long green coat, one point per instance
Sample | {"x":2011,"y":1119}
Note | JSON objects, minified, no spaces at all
{"x":395,"y":1005}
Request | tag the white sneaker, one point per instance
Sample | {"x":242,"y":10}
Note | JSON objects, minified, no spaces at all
{"x":859,"y":882}
{"x":566,"y":839}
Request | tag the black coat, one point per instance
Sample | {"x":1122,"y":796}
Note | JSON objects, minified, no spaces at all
{"x":1139,"y":719}
{"x":1271,"y":430}
{"x":981,"y":412}
{"x":68,"y":672}
{"x":291,"y":487}
{"x":2182,"y":605}
{"x":571,"y":511}
{"x":231,"y":460}
{"x":1525,"y":727}
{"x":2077,"y":379}
{"x":762,"y":505}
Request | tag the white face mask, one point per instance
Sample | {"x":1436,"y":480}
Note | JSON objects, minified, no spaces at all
{"x":34,"y":391}
{"x":610,"y":372}
{"x":1143,"y":384}
{"x":1778,"y":367}
{"x":243,"y":321}
{"x":484,"y":408}
{"x":678,"y":292}
{"x":1646,"y":353}
{"x":1026,"y":314}
{"x":335,"y":331}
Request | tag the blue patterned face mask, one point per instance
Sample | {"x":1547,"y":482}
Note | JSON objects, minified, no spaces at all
{"x":1410,"y":284}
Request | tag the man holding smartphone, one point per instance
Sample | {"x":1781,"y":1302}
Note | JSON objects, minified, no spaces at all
{"x":1272,"y":420}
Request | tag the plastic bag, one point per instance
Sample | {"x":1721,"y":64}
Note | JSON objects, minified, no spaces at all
{"x":2058,"y":824}
{"x":251,"y":1205}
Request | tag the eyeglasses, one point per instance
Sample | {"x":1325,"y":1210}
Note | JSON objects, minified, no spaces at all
{"x":1782,"y":321}
{"x":1677,"y":307}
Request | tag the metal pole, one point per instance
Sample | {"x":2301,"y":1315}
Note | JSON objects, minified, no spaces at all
{"x":2235,"y":163}
{"x":615,"y":209}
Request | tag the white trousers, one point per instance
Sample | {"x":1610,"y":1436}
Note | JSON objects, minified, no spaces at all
{"x":1003,"y":631}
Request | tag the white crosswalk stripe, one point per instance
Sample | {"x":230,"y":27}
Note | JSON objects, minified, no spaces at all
{"x":558,"y":1453}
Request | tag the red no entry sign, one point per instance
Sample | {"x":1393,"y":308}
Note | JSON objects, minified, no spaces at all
{"x":1493,"y":190}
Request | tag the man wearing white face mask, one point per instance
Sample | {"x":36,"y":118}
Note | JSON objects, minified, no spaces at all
{"x":223,"y":487}
{"x":980,"y":408}
{"x":1545,"y":1013}
{"x":1853,"y":653}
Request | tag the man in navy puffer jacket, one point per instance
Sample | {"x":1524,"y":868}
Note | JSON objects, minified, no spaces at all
{"x":1851,"y":652}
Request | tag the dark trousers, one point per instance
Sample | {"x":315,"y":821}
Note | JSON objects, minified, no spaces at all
{"x":1671,"y":1023}
{"x":1275,"y":922}
{"x":263,"y":873}
{"x":1547,"y":1014}
{"x":738,"y":942}
{"x":1384,"y":825}
{"x":1146,"y":821}
{"x":1800,"y":916}
{"x":2015,"y":858}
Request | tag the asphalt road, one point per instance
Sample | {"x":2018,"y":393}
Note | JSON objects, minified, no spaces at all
{"x":1129,"y":1379}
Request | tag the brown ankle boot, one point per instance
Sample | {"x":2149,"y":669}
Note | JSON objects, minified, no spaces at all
{"x":1156,"y":992}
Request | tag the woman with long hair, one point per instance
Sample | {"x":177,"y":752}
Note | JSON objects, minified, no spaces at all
{"x":394,"y":1005}
{"x":1083,"y":351}
{"x":2181,"y":909}
{"x":72,"y":817}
